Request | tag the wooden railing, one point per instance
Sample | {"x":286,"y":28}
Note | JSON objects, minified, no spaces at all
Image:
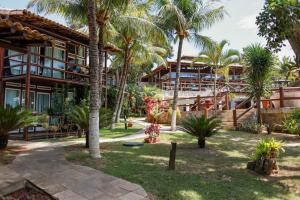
{"x":282,"y":98}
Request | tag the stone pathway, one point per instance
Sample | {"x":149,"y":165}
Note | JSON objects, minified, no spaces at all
{"x":45,"y":166}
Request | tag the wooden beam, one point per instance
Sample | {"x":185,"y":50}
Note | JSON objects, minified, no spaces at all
{"x":1,"y":76}
{"x":27,"y":88}
{"x":15,"y":46}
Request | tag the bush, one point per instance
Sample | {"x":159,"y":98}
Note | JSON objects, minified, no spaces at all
{"x":200,"y":127}
{"x":105,"y":116}
{"x":290,"y":125}
{"x":267,"y":148}
{"x":250,"y":126}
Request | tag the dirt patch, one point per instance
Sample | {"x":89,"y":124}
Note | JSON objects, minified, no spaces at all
{"x":8,"y":155}
{"x":27,"y":194}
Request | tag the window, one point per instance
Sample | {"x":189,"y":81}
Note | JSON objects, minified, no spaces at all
{"x":32,"y":100}
{"x":58,"y":64}
{"x":12,"y":97}
{"x":43,"y":102}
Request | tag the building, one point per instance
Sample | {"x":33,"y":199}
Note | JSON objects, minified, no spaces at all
{"x":195,"y":79}
{"x":41,"y":62}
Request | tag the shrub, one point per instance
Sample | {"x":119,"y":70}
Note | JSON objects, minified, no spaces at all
{"x":200,"y":127}
{"x":105,"y":116}
{"x":290,"y":125}
{"x":296,"y":114}
{"x":153,"y":130}
{"x":11,"y":119}
{"x":267,"y":148}
{"x":250,"y":126}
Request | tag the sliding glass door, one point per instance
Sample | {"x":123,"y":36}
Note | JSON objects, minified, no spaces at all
{"x":43,"y":102}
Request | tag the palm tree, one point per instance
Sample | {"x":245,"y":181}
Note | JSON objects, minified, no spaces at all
{"x":12,"y":119}
{"x":136,"y":37}
{"x":260,"y":62}
{"x":288,"y":68}
{"x":215,"y":55}
{"x":200,"y":127}
{"x":184,"y":19}
{"x":94,"y":82}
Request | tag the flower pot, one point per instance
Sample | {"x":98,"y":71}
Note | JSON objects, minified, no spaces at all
{"x":266,"y":104}
{"x":3,"y":141}
{"x":201,"y":143}
{"x":152,"y":140}
{"x":130,"y":124}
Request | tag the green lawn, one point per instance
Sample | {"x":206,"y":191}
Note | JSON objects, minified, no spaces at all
{"x":120,"y":131}
{"x":218,"y":172}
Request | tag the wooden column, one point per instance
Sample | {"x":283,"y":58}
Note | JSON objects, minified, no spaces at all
{"x":198,"y":103}
{"x":281,"y":97}
{"x":105,"y":71}
{"x":27,"y":89}
{"x":234,"y":118}
{"x":227,"y":101}
{"x":1,"y":76}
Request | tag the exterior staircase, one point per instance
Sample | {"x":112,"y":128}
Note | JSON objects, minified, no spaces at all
{"x":226,"y":117}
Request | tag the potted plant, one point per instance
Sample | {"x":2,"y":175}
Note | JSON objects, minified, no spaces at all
{"x":12,"y":119}
{"x":200,"y":127}
{"x":264,"y":158}
{"x":153,"y":132}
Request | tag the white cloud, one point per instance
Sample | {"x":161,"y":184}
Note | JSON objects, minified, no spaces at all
{"x":248,"y":22}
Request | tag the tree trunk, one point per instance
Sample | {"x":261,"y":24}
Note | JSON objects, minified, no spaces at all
{"x":121,"y":88}
{"x":175,"y":98}
{"x":215,"y":92}
{"x":101,"y":60}
{"x":94,"y":82}
{"x":3,"y":141}
{"x":259,"y":121}
{"x":201,"y":143}
{"x":294,"y":41}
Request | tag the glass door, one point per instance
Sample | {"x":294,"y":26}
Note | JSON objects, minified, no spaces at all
{"x":43,"y":102}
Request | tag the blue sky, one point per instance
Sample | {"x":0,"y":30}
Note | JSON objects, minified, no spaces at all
{"x":238,"y":27}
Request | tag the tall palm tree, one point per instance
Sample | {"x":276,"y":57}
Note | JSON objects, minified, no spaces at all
{"x":288,"y":68}
{"x":137,"y":37}
{"x":184,"y":19}
{"x":94,"y":82}
{"x":260,"y":62}
{"x":216,"y":56}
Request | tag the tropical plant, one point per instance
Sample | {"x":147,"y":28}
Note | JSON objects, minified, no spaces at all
{"x":280,"y":21}
{"x":267,"y":148}
{"x":137,"y":38}
{"x":215,"y":55}
{"x":200,"y":127}
{"x":260,"y":63}
{"x":184,"y":19}
{"x":288,"y":68}
{"x":12,"y":119}
{"x":291,"y":126}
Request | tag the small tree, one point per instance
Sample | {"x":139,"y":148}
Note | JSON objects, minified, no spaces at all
{"x":12,"y":119}
{"x":260,"y":62}
{"x":200,"y":127}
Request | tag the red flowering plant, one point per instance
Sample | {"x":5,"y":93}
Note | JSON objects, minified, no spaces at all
{"x":154,"y":108}
{"x":153,"y":130}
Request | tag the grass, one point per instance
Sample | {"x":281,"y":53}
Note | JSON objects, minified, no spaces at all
{"x":217,"y":172}
{"x":120,"y":131}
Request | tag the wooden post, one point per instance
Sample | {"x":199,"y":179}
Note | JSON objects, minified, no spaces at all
{"x":234,"y":118}
{"x":172,"y":159}
{"x":1,"y":76}
{"x":206,"y":113}
{"x":281,"y":96}
{"x":227,"y":101}
{"x":198,"y":103}
{"x":27,"y":89}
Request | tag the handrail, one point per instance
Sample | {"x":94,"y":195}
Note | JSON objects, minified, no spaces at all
{"x":241,"y":115}
{"x":243,"y":102}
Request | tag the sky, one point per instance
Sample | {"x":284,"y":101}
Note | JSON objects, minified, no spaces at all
{"x":238,"y":27}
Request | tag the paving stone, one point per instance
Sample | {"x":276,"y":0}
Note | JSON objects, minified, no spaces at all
{"x":131,"y":196}
{"x":125,"y":184}
{"x":54,"y":189}
{"x":69,"y":195}
{"x":141,"y":192}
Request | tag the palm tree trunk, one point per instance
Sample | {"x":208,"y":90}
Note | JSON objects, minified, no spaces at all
{"x":94,"y":82}
{"x":101,"y":60}
{"x":121,"y":88}
{"x":175,"y":98}
{"x":259,"y":120}
{"x":215,"y":92}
